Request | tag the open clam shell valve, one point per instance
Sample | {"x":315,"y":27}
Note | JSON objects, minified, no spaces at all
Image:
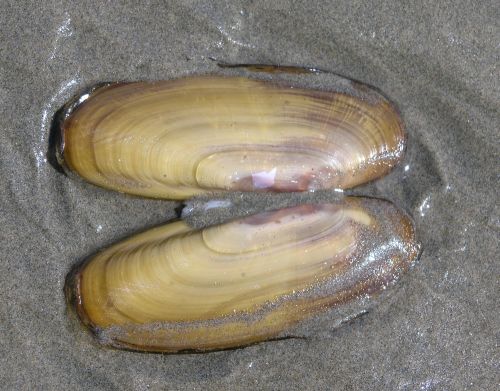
{"x":174,"y":288}
{"x":179,"y":138}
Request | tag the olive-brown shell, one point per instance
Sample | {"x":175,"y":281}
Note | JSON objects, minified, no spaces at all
{"x":179,"y":138}
{"x":173,"y":288}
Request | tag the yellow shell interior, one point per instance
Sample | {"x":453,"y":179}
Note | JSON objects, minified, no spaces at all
{"x":178,"y":138}
{"x":173,"y":288}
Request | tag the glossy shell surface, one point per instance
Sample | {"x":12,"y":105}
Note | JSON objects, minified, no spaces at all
{"x":179,"y":138}
{"x":174,"y":288}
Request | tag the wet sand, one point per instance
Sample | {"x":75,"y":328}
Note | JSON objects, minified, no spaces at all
{"x":436,"y":331}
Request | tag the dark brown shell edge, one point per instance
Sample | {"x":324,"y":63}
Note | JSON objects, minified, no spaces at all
{"x":270,"y":68}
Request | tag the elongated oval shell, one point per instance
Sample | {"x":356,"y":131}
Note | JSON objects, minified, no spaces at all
{"x":179,"y":138}
{"x":173,"y":288}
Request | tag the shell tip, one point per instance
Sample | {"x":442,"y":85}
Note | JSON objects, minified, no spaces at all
{"x":71,"y":286}
{"x":55,"y":153}
{"x":73,"y":295}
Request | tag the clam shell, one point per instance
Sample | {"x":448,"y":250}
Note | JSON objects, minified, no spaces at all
{"x":179,"y":138}
{"x":174,"y":288}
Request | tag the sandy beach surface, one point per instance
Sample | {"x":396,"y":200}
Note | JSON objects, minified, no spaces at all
{"x":438,"y":330}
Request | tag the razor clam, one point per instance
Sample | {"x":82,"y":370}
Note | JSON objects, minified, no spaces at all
{"x":174,"y":288}
{"x":179,"y":138}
